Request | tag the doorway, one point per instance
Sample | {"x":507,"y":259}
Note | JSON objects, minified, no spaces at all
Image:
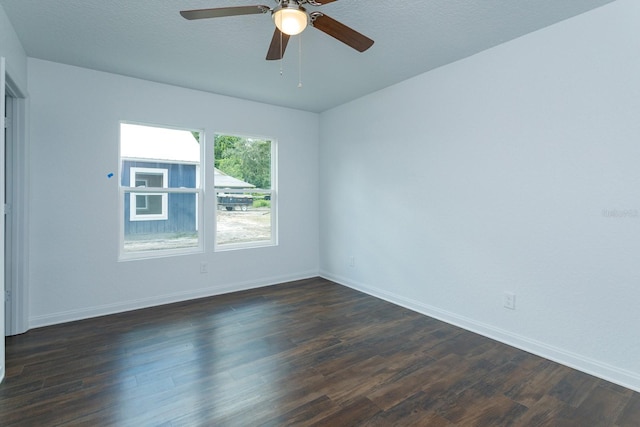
{"x":8,"y":196}
{"x":14,"y":204}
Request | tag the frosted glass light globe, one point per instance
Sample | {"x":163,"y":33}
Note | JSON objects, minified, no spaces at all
{"x":290,"y":20}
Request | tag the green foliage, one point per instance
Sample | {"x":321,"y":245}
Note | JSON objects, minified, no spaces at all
{"x":231,"y":166}
{"x":261,"y":203}
{"x":224,"y":147}
{"x":244,"y":158}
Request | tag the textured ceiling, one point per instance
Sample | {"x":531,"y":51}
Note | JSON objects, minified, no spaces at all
{"x":149,"y":39}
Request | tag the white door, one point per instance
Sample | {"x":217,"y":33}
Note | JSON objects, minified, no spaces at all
{"x":2,"y":115}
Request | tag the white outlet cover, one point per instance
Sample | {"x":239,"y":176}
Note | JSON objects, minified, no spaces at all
{"x":509,"y":300}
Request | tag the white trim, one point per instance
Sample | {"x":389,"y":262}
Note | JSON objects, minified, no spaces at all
{"x":122,"y":192}
{"x":272,"y":192}
{"x":107,"y":309}
{"x":198,"y":195}
{"x":159,"y":253}
{"x":20,"y":210}
{"x":2,"y":281}
{"x":159,"y":190}
{"x":9,"y":218}
{"x":245,"y":245}
{"x":273,"y":198}
{"x":576,"y":361}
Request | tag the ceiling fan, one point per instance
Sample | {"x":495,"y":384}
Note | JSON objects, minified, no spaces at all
{"x":290,"y":19}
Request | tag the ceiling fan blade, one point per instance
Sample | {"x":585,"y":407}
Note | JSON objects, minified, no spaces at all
{"x":275,"y":52}
{"x":223,"y":11}
{"x":340,"y":31}
{"x":322,"y":2}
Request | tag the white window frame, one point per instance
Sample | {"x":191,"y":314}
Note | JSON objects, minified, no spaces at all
{"x":133,"y":201}
{"x":272,"y":192}
{"x":125,"y":256}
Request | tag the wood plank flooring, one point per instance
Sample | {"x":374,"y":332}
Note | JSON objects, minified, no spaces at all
{"x":307,"y":353}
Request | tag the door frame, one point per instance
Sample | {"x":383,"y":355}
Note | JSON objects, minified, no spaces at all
{"x":17,"y":217}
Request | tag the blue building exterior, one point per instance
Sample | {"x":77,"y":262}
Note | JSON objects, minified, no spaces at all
{"x":176,"y":214}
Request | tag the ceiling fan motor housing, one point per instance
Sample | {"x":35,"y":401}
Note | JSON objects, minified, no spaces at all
{"x":290,"y":18}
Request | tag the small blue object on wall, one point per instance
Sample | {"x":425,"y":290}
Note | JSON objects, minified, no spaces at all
{"x":110,"y":175}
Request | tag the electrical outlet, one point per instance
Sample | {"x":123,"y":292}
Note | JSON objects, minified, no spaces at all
{"x":352,"y":261}
{"x":509,"y":300}
{"x":204,"y":267}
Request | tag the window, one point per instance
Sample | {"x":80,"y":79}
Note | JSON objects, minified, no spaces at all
{"x":161,"y":195}
{"x":146,"y":206}
{"x":159,"y":190}
{"x":245,"y":192}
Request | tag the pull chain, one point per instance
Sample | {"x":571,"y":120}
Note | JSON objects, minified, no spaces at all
{"x":300,"y":61}
{"x":281,"y":55}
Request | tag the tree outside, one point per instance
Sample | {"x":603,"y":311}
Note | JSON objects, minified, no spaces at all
{"x":244,"y":158}
{"x":248,"y":160}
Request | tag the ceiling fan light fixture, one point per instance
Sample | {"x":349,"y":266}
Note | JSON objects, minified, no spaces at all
{"x":291,"y":19}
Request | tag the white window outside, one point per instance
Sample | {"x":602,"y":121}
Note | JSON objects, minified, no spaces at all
{"x":148,"y":206}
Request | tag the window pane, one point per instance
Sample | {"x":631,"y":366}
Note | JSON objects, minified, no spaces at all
{"x":149,"y":180}
{"x":246,"y":160}
{"x":243,"y":218}
{"x":155,"y":157}
{"x":141,"y":203}
{"x":150,"y":204}
{"x":179,"y":232}
{"x":159,"y":157}
{"x":243,"y":182}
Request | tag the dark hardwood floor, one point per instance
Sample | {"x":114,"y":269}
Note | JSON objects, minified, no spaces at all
{"x":303,"y":353}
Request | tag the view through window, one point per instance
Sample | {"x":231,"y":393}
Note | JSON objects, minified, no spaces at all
{"x":245,"y":196}
{"x":160,"y":189}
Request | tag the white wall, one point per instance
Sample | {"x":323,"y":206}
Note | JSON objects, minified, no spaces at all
{"x":75,"y":117}
{"x":517,"y":169}
{"x":12,"y":50}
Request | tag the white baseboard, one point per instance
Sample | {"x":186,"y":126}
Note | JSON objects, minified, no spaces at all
{"x":579,"y":362}
{"x":120,"y":307}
